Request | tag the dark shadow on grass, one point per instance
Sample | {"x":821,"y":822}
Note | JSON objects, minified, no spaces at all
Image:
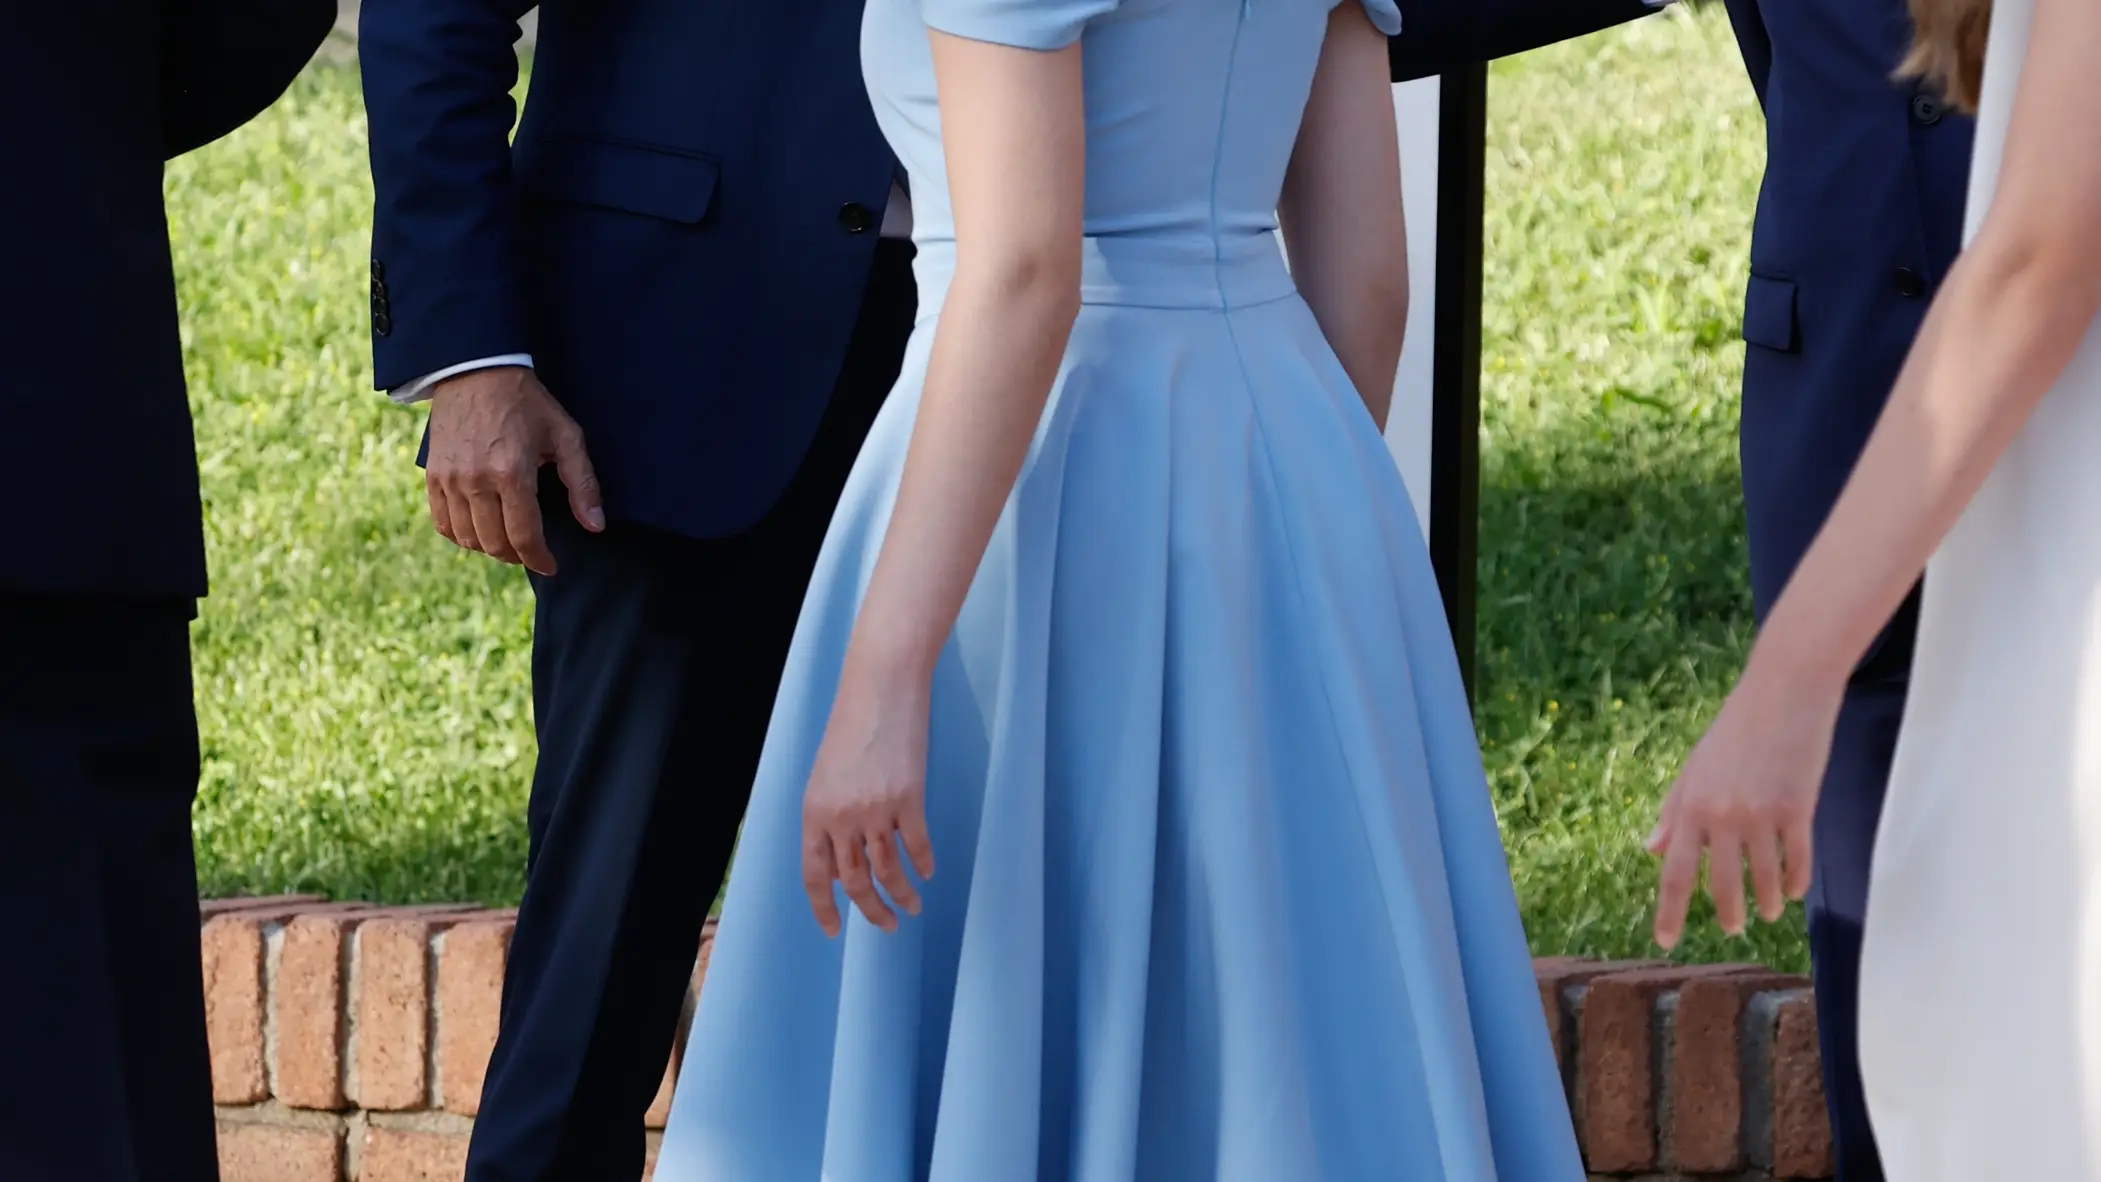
{"x":1604,"y":561}
{"x":376,"y":848}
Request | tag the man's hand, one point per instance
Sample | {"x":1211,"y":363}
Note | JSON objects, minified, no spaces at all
{"x":490,"y":432}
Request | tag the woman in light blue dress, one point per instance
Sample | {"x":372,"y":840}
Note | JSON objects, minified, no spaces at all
{"x":1125,"y":620}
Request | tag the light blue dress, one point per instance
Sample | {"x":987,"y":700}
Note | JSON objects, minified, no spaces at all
{"x":1220,"y":893}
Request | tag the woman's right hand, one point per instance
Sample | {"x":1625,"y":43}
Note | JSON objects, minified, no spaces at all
{"x":1748,"y":794}
{"x":866,"y":796}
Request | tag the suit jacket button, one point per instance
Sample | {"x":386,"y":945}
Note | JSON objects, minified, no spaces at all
{"x":1910,"y":284}
{"x":379,"y":271}
{"x":855,"y":218}
{"x":382,"y":324}
{"x":1926,"y":110}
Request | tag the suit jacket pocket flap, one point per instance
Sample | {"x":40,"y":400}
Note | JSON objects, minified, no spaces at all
{"x":634,"y":178}
{"x":1769,"y":313}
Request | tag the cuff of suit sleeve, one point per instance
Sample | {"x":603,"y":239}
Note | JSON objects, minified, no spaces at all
{"x":434,"y":309}
{"x":420,"y":389}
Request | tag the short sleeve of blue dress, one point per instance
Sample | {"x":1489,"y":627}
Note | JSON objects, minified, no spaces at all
{"x":1385,"y":16}
{"x":1023,"y":24}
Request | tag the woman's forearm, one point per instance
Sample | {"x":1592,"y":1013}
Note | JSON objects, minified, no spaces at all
{"x":2002,"y":331}
{"x":1341,"y":212}
{"x":1366,"y":333}
{"x":996,"y":353}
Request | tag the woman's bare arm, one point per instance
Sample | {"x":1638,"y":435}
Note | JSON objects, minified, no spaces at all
{"x":1341,"y":208}
{"x":2006,"y":323}
{"x":1014,"y":130}
{"x":2009,"y":319}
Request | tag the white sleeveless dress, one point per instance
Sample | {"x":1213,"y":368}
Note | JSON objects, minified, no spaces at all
{"x":1980,"y":1009}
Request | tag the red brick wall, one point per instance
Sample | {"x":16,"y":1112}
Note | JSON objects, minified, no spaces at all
{"x":348,"y":1044}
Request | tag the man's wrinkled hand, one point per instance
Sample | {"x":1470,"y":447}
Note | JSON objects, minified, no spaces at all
{"x":491,"y":430}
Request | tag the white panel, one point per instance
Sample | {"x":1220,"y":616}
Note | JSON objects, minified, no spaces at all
{"x":1415,"y":106}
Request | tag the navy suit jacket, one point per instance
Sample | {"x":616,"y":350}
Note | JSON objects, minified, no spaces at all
{"x":94,"y":421}
{"x":1859,"y":218}
{"x":682,"y":230}
{"x":679,"y":239}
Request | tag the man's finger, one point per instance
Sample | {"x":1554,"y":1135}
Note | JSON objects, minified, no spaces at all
{"x":819,"y":872}
{"x":459,"y":509}
{"x":1674,"y":885}
{"x":573,"y":464}
{"x":440,"y":514}
{"x":1800,"y":839}
{"x":486,"y":506}
{"x":849,"y":853}
{"x":890,"y":869}
{"x":521,"y":524}
{"x":1763,"y":847}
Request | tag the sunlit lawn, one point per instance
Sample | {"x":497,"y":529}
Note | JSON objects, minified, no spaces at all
{"x":363,"y":687}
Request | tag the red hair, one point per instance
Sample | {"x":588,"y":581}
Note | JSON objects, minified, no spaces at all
{"x":1947,"y":47}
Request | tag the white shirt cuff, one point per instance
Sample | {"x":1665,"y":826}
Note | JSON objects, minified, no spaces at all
{"x":420,"y":389}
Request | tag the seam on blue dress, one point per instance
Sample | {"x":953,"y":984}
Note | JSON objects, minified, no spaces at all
{"x":1325,"y":675}
{"x":1421,"y":1015}
{"x":1218,"y":155}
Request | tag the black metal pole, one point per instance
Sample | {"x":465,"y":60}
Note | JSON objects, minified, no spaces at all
{"x":1455,"y":382}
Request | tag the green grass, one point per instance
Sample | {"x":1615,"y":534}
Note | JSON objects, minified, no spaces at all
{"x":363,"y":686}
{"x":1614,"y":603}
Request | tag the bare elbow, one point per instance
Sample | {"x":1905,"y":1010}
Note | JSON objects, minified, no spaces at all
{"x":2036,"y":263}
{"x":1042,"y":277}
{"x":1387,"y":295}
{"x":1377,"y":305}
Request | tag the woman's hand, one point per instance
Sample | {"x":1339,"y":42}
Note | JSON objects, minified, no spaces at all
{"x":867,"y":793}
{"x":1015,"y":125}
{"x":1748,"y":790}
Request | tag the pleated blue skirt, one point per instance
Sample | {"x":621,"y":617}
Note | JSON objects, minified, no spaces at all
{"x":1220,"y":892}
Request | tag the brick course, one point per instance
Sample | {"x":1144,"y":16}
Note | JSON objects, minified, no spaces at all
{"x":393,"y":1016}
{"x":1709,"y":1051}
{"x":470,"y":992}
{"x":259,"y":1152}
{"x":233,"y":1011}
{"x":1801,"y":1137}
{"x":308,"y":1010}
{"x":399,"y":1155}
{"x":349,"y":1044}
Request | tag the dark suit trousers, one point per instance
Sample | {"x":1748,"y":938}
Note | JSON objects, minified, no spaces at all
{"x":1847,"y":815}
{"x":655,"y":663}
{"x":104,"y":1075}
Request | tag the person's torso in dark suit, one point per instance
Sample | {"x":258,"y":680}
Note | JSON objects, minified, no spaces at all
{"x":680,"y":239}
{"x":94,"y":424}
{"x":1859,"y":219}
